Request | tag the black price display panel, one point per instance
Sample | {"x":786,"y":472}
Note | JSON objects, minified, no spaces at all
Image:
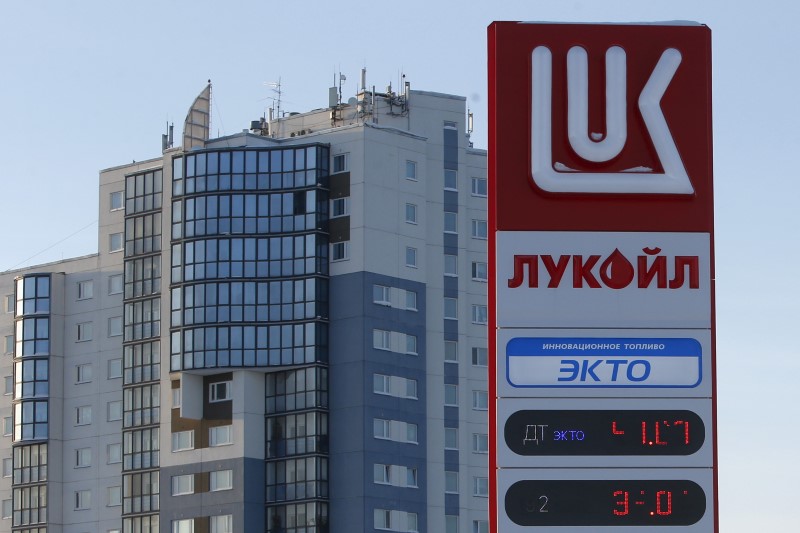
{"x":605,"y":502}
{"x":618,"y":432}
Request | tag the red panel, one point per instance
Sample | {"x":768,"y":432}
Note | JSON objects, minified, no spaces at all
{"x":686,"y":106}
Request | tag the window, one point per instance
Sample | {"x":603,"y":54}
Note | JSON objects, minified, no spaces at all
{"x":480,"y":487}
{"x":411,"y":433}
{"x":83,"y":457}
{"x":451,"y":351}
{"x":220,"y":480}
{"x":115,"y":284}
{"x":114,"y":496}
{"x":479,"y":229}
{"x":450,"y":222}
{"x":7,"y":508}
{"x":382,"y":474}
{"x":451,"y":482}
{"x":115,"y":242}
{"x":220,"y":436}
{"x":450,"y":523}
{"x":411,"y":522}
{"x":480,"y":400}
{"x":450,"y":438}
{"x":9,"y":303}
{"x":411,"y":170}
{"x":411,"y":301}
{"x":480,"y":526}
{"x":411,"y":477}
{"x":85,"y":289}
{"x":411,"y":344}
{"x":382,"y":519}
{"x":115,"y":326}
{"x":450,"y":179}
{"x":480,"y":443}
{"x":450,"y":394}
{"x":451,"y":308}
{"x":480,"y":314}
{"x":411,"y":388}
{"x":381,"y":384}
{"x":341,"y":162}
{"x":382,"y":295}
{"x":411,"y":213}
{"x":114,"y":453}
{"x":9,"y":385}
{"x":114,"y":368}
{"x":83,"y":373}
{"x":479,"y":186}
{"x":176,"y":398}
{"x":183,"y":440}
{"x":187,"y":526}
{"x":480,"y":356}
{"x":219,"y":392}
{"x":480,"y":271}
{"x":114,"y":411}
{"x":8,"y":426}
{"x":85,"y":331}
{"x":8,"y":466}
{"x":83,"y":415}
{"x":381,"y":429}
{"x":381,"y":339}
{"x":83,"y":499}
{"x":117,"y":200}
{"x":9,"y":344}
{"x":340,"y":251}
{"x":340,"y":207}
{"x":411,"y":257}
{"x":222,"y":523}
{"x":183,"y":484}
{"x":450,"y":265}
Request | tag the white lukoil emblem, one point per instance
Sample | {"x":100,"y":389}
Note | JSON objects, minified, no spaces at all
{"x":556,"y":177}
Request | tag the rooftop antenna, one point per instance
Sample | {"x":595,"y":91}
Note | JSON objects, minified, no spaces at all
{"x":342,"y":78}
{"x":276,"y":88}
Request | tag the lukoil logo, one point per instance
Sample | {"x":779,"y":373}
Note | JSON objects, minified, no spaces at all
{"x":555,"y":176}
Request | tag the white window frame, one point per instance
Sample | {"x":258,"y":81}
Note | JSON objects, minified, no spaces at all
{"x":9,"y":346}
{"x":382,"y":339}
{"x":113,"y":280}
{"x":8,"y":426}
{"x":382,"y":519}
{"x":7,"y":509}
{"x":176,"y":398}
{"x":10,"y":303}
{"x":480,"y":314}
{"x":450,"y":179}
{"x":340,"y":207}
{"x":222,"y":523}
{"x":449,"y":435}
{"x":450,"y":523}
{"x":219,"y":480}
{"x":381,"y":384}
{"x":85,"y":289}
{"x":451,"y":351}
{"x":450,"y":477}
{"x":382,"y":474}
{"x":381,"y":428}
{"x":220,"y":436}
{"x":411,"y":214}
{"x":480,"y":400}
{"x":114,"y":453}
{"x":412,"y":433}
{"x":340,"y":251}
{"x":114,"y":410}
{"x":214,"y":391}
{"x":480,"y":443}
{"x":480,"y":487}
{"x":85,"y":332}
{"x":114,"y":495}
{"x":83,"y":415}
{"x":182,"y":484}
{"x":480,"y":271}
{"x":183,"y":440}
{"x":8,"y":466}
{"x":382,"y":295}
{"x":477,"y":185}
{"x":450,"y":265}
{"x":114,"y":205}
{"x":116,"y":242}
{"x":83,"y":373}
{"x":480,"y":229}
{"x":8,"y":385}
{"x":184,"y":525}
{"x":411,"y":170}
{"x":450,"y":395}
{"x":480,"y":526}
{"x":344,"y":158}
{"x":83,"y":457}
{"x":412,"y":346}
{"x":115,"y":326}
{"x":450,"y":308}
{"x":83,"y":500}
{"x":411,"y":301}
{"x":115,"y":368}
{"x":480,"y":356}
{"x":411,"y":389}
{"x":450,"y":222}
{"x":412,"y":258}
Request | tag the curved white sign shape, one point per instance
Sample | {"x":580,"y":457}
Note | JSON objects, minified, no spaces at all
{"x":578,"y":105}
{"x":674,"y":179}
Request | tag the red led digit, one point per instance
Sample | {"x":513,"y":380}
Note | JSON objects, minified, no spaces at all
{"x":685,"y":429}
{"x":623,"y":503}
{"x":614,"y":429}
{"x":664,"y":497}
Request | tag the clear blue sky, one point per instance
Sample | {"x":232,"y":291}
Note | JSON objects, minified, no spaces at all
{"x":88,"y":85}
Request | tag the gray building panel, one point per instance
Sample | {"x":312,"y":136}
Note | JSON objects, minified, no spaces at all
{"x":450,"y":241}
{"x":451,"y":201}
{"x":451,"y":286}
{"x":451,"y":504}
